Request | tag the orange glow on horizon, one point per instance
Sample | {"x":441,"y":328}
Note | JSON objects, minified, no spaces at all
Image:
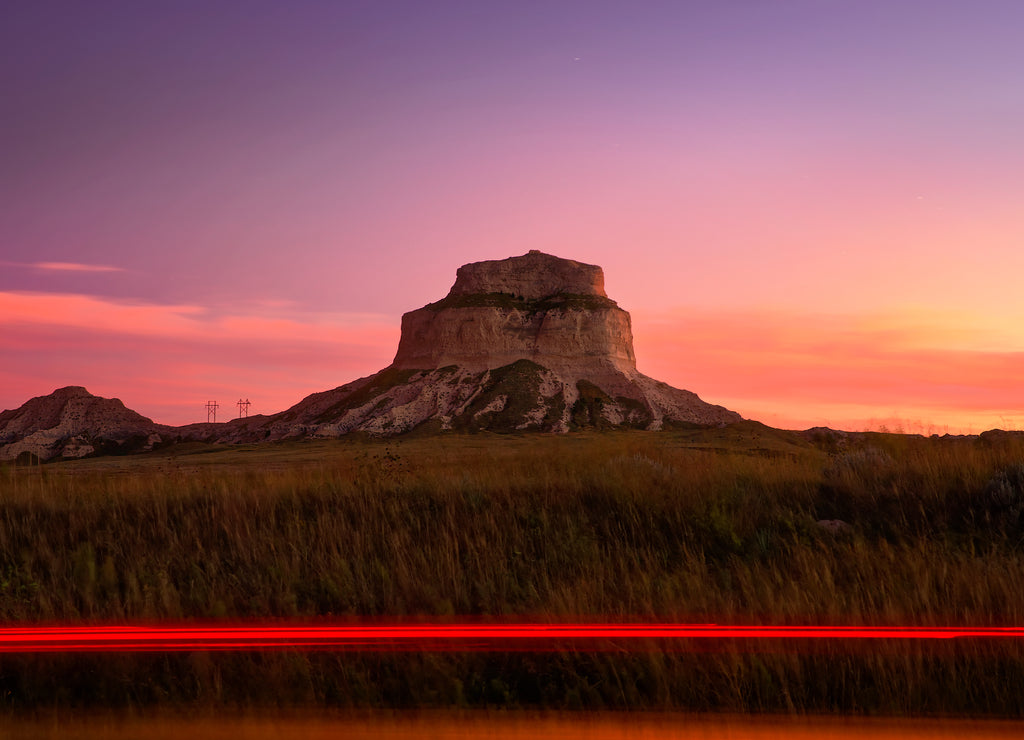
{"x":905,"y":370}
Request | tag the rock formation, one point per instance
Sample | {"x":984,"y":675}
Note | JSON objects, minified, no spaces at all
{"x":525,"y":343}
{"x":71,"y":422}
{"x":535,"y":307}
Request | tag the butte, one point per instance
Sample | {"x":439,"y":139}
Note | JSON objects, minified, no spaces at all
{"x":528,"y":343}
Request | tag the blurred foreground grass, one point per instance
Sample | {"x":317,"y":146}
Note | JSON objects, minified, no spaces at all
{"x":717,"y":525}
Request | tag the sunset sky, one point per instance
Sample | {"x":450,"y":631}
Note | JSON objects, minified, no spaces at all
{"x":812,"y":209}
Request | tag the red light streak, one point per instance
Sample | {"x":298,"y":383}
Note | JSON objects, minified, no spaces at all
{"x":443,"y":637}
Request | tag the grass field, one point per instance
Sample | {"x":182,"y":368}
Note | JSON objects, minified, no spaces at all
{"x":714,"y":525}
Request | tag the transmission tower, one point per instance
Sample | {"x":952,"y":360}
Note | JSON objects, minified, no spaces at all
{"x":211,"y":410}
{"x":243,"y":408}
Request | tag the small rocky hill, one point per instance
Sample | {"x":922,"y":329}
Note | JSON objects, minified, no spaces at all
{"x":526,"y":343}
{"x":71,"y":422}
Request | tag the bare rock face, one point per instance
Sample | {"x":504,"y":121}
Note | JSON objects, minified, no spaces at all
{"x":532,"y":276}
{"x":535,"y":307}
{"x":71,"y":422}
{"x":525,"y":343}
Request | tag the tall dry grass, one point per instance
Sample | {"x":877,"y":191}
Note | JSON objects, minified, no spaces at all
{"x":689,"y":526}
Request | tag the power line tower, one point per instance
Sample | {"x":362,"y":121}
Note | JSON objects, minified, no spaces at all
{"x":243,"y":408}
{"x":211,"y":410}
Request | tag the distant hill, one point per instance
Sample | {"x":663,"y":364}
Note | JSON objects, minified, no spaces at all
{"x":71,"y":422}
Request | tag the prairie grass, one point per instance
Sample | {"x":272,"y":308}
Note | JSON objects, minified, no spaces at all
{"x":692,"y":526}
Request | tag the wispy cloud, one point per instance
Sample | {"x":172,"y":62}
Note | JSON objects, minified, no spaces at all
{"x":74,"y":267}
{"x":163,"y":360}
{"x":62,"y":266}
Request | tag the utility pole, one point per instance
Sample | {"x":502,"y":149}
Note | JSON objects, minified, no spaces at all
{"x":211,"y":410}
{"x":243,"y":408}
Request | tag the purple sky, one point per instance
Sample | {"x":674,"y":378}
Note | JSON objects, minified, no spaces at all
{"x":844,"y":176}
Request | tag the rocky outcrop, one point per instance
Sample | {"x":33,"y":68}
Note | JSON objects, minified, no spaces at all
{"x":494,"y":330}
{"x":535,"y":307}
{"x":528,"y":343}
{"x":71,"y":422}
{"x":533,"y":276}
{"x":525,"y":343}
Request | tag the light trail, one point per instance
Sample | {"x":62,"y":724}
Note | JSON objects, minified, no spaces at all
{"x":445,"y":637}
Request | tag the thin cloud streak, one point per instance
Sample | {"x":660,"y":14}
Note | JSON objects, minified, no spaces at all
{"x":72,"y":310}
{"x":164,"y":361}
{"x":75,"y":267}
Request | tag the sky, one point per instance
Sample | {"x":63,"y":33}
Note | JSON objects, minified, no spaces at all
{"x":812,"y":209}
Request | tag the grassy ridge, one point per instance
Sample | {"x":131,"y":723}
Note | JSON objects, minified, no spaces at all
{"x":715,"y":525}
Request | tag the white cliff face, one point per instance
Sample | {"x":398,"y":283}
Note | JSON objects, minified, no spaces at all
{"x":522,"y":396}
{"x":550,"y":333}
{"x":535,"y":307}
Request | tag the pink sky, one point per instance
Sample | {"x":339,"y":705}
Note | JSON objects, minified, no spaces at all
{"x":813,"y":210}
